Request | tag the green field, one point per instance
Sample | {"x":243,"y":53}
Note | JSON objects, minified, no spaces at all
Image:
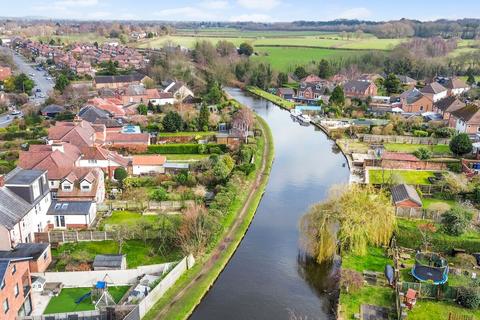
{"x":410,"y":148}
{"x":65,"y":301}
{"x":377,"y":176}
{"x":287,"y":58}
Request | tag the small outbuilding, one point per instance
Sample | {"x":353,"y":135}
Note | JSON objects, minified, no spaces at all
{"x":148,"y":164}
{"x":52,"y":110}
{"x":110,"y":262}
{"x":406,"y":200}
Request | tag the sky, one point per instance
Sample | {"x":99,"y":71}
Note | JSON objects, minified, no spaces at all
{"x":241,"y":10}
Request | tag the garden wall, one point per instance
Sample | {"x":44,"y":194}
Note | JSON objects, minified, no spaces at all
{"x":373,"y":138}
{"x":146,"y":304}
{"x":89,"y":278}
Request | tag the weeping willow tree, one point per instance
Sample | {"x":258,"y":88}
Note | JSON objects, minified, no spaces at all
{"x":350,"y":219}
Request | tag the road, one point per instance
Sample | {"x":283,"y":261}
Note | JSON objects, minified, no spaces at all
{"x":38,"y":76}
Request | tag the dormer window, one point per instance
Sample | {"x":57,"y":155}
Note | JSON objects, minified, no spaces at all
{"x":66,"y":187}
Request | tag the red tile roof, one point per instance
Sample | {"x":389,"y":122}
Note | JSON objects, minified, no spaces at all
{"x":148,"y":160}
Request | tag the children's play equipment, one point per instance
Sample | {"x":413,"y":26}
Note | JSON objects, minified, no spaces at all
{"x":430,"y":267}
{"x":100,"y":296}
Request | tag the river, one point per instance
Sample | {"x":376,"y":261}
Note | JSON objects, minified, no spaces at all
{"x":266,"y":278}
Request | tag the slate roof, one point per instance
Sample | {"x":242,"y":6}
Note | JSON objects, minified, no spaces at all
{"x":25,"y":250}
{"x":449,"y":104}
{"x":356,"y":86}
{"x":92,"y":113}
{"x":469,"y":113}
{"x":24,"y":177}
{"x":286,"y":91}
{"x":134,"y":77}
{"x":412,"y":96}
{"x":433,"y":88}
{"x":69,"y":208}
{"x":403,"y":192}
{"x":53,"y":108}
{"x":108,"y":260}
{"x":13,"y":207}
{"x":406,"y":79}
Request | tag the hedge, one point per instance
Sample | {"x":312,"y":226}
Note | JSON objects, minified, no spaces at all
{"x":183,"y":148}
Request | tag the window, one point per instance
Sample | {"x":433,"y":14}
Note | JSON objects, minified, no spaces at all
{"x":92,"y":161}
{"x":2,"y":285}
{"x":60,"y":221}
{"x":6,"y":307}
{"x":16,"y":292}
{"x":85,"y":187}
{"x":52,"y":183}
{"x":67,"y":187}
{"x":14,"y":269}
{"x":421,"y":108}
{"x":36,"y":189}
{"x":45,"y":255}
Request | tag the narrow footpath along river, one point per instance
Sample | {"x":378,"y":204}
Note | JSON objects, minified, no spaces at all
{"x":265,"y":278}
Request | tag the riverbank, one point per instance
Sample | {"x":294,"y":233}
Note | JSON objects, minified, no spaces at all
{"x":181,"y":300}
{"x":285,"y":104}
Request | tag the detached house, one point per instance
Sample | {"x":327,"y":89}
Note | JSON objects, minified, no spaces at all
{"x":24,"y":201}
{"x":360,"y":89}
{"x":313,"y":91}
{"x":179,"y":90}
{"x":466,"y":119}
{"x":435,"y":91}
{"x":414,"y":101}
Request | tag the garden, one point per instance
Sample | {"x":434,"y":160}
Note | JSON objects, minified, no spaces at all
{"x":388,"y":176}
{"x":67,"y":300}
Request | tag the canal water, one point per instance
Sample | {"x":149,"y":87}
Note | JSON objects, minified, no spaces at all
{"x":268,"y":278}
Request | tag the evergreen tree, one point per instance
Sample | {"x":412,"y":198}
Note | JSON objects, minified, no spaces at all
{"x":62,"y":82}
{"x":337,"y":97}
{"x":172,"y":122}
{"x":324,"y":69}
{"x":203,"y":118}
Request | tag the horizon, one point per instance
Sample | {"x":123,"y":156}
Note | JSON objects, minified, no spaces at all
{"x":268,"y":11}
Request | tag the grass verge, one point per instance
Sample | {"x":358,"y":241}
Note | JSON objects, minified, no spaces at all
{"x":378,"y":176}
{"x":271,"y":97}
{"x":194,"y":295}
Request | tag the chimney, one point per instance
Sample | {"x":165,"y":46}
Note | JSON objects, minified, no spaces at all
{"x":2,"y":180}
{"x":58,"y":146}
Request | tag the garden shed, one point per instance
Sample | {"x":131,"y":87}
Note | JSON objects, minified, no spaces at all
{"x":110,"y":262}
{"x":406,"y":200}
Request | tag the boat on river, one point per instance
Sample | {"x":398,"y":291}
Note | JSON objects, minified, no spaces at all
{"x":305,"y":118}
{"x":296,"y":113}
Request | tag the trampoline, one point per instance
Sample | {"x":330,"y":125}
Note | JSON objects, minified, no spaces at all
{"x":430,"y":267}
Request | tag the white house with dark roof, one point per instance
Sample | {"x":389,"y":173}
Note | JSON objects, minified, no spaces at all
{"x":435,"y":91}
{"x":24,"y":202}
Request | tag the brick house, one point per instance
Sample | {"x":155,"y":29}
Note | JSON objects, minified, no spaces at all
{"x":286,"y":93}
{"x":360,"y":89}
{"x":40,"y":255}
{"x":415,"y":101}
{"x":15,"y":288}
{"x":406,"y":200}
{"x":313,"y":91}
{"x":466,"y":119}
{"x":447,"y":105}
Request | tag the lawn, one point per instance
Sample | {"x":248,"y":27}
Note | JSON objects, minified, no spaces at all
{"x":380,"y":296}
{"x":352,"y":146}
{"x":126,"y":217}
{"x":427,"y":202}
{"x":374,"y":260}
{"x":410,"y":148}
{"x":378,"y":176}
{"x":409,"y":237}
{"x":138,"y":253}
{"x":433,"y":310}
{"x":65,"y":301}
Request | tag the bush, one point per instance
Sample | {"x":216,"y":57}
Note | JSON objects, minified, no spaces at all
{"x":159,"y":194}
{"x":422,"y":153}
{"x":120,"y":174}
{"x":455,"y":167}
{"x":420,"y":133}
{"x":461,"y":144}
{"x":469,"y":297}
{"x":456,"y":221}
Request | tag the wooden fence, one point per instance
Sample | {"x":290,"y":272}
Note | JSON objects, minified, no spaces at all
{"x":110,"y":205}
{"x":373,"y":138}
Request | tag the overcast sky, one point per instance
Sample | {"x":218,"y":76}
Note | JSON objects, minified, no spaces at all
{"x":241,"y":10}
